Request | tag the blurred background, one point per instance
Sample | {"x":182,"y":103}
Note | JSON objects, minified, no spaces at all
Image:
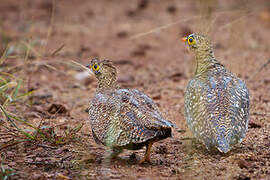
{"x":46,"y":96}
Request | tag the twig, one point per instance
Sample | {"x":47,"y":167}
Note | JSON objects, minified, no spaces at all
{"x":31,"y":48}
{"x":80,"y":65}
{"x":58,"y":49}
{"x":8,"y":145}
{"x":162,"y":27}
{"x":236,"y":20}
{"x":50,"y":26}
{"x":260,"y":69}
{"x":46,"y":146}
{"x":64,"y":158}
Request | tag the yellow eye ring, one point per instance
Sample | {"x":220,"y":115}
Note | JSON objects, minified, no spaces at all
{"x":95,"y":67}
{"x":191,"y":41}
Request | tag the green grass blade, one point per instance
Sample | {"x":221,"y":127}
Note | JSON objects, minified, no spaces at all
{"x":17,"y":89}
{"x":25,"y":94}
{"x":29,"y":125}
{"x":9,"y":118}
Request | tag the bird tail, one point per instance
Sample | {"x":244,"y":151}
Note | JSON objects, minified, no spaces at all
{"x":223,"y":144}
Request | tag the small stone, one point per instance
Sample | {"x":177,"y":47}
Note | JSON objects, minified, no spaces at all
{"x":122,"y":34}
{"x":244,"y":164}
{"x":143,"y":4}
{"x":131,"y":13}
{"x":171,"y":9}
{"x":76,"y":85}
{"x":138,"y":52}
{"x":157,"y":97}
{"x":253,"y":124}
{"x":57,"y":108}
{"x":177,"y":76}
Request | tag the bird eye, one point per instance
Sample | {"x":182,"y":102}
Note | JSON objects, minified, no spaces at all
{"x":95,"y":67}
{"x":191,"y":40}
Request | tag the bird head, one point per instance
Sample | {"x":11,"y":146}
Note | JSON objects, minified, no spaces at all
{"x":198,"y":43}
{"x":101,"y":68}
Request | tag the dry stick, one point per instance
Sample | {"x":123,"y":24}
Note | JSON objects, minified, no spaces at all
{"x":50,"y":26}
{"x":10,"y":130}
{"x":3,"y":57}
{"x":30,"y":47}
{"x":46,"y":146}
{"x":190,"y":18}
{"x":236,"y":20}
{"x":12,"y":144}
{"x":172,"y":24}
{"x":6,"y":137}
{"x":57,"y":50}
{"x":80,"y":65}
{"x":162,"y":27}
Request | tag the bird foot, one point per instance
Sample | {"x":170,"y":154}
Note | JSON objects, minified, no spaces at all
{"x":146,"y":157}
{"x":144,"y":160}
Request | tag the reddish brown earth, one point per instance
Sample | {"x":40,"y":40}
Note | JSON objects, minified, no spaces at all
{"x":142,"y":38}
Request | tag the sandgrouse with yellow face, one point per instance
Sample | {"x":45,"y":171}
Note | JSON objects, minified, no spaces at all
{"x":123,"y":118}
{"x":216,"y":101}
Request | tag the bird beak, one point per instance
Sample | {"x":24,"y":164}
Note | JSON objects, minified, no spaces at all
{"x":184,"y":39}
{"x":88,"y":66}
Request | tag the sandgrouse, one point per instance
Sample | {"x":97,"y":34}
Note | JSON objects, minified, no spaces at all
{"x":216,"y":101}
{"x":123,"y":118}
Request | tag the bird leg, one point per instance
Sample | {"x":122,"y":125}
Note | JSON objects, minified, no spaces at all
{"x":147,"y":153}
{"x":112,"y":154}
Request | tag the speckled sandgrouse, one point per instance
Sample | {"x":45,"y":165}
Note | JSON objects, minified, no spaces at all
{"x":123,"y":118}
{"x":216,"y":101}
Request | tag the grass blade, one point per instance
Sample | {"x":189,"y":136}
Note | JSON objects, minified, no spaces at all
{"x":17,"y":89}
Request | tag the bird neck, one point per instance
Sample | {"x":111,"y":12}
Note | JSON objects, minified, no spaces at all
{"x":106,"y":82}
{"x":205,"y":60}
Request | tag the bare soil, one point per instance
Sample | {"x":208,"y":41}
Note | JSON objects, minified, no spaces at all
{"x":142,"y":38}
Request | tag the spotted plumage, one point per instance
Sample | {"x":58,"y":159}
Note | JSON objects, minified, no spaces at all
{"x":123,"y":118}
{"x":216,"y":101}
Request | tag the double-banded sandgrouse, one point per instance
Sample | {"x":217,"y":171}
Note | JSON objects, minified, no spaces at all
{"x":123,"y":118}
{"x":216,"y":101}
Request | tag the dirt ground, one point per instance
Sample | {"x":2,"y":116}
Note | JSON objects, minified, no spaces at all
{"x":142,"y":38}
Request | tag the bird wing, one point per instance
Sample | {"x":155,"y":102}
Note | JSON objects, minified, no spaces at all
{"x":124,"y":116}
{"x":101,"y":112}
{"x":147,"y":112}
{"x":216,"y":107}
{"x":239,"y":109}
{"x":195,"y":108}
